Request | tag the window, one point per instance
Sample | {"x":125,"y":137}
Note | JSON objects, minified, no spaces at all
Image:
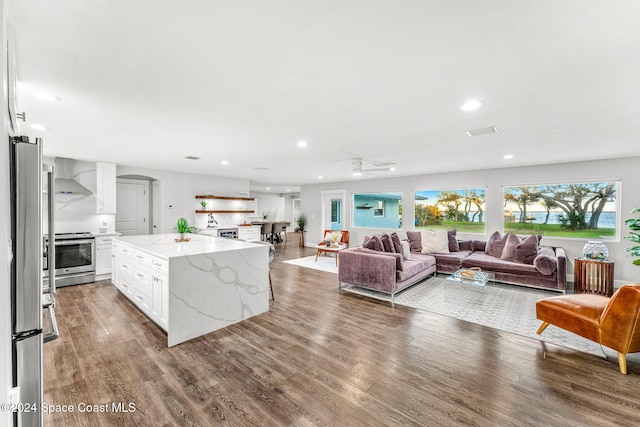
{"x":378,"y":210}
{"x":335,"y":210}
{"x":462,"y":209}
{"x":581,"y":210}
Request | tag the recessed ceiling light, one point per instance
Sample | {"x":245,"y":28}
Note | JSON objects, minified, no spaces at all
{"x":225,"y":162}
{"x":320,"y":177}
{"x":46,"y":97}
{"x":357,"y":173}
{"x":288,"y":189}
{"x":508,"y":156}
{"x":392,"y":169}
{"x":38,"y":127}
{"x":471,"y":105}
{"x":192,"y":158}
{"x":268,"y":188}
{"x":302,"y":144}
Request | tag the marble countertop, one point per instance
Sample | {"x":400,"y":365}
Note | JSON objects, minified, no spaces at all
{"x":164,"y":245}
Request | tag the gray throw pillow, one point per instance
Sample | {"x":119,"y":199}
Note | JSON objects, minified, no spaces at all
{"x":375,"y":244}
{"x":396,"y":242}
{"x":546,"y":262}
{"x":521,"y":250}
{"x":415,"y":241}
{"x":495,"y":245}
{"x":453,"y":242}
{"x":387,"y":243}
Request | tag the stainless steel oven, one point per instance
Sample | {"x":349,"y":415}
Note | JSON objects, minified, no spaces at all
{"x":75,"y":258}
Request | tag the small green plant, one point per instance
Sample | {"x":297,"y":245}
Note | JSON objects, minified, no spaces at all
{"x":203,"y":204}
{"x":634,"y":224}
{"x":183,"y":226}
{"x":302,"y":221}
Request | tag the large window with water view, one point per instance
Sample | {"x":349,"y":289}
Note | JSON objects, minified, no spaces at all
{"x":462,"y":209}
{"x":581,"y":210}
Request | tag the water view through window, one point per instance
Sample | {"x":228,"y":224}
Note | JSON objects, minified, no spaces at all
{"x":580,"y":210}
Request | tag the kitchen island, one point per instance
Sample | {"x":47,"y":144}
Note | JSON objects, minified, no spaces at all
{"x":192,"y":288}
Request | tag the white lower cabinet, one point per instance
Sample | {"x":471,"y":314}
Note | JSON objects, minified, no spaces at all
{"x":103,"y":255}
{"x":250,"y":233}
{"x":160,"y":299}
{"x":143,"y":279}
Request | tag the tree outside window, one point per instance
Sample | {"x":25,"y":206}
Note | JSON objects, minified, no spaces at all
{"x":582,"y":210}
{"x":462,"y":209}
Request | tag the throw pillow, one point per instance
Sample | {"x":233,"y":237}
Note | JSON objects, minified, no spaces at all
{"x":415,"y":241}
{"x":434,"y":242}
{"x":465,"y":245}
{"x":396,"y":242}
{"x":521,"y":250}
{"x":546,"y":262}
{"x":406,"y":250}
{"x":333,"y":236}
{"x":453,"y":242}
{"x":387,"y":243}
{"x":495,"y":245}
{"x":375,"y":244}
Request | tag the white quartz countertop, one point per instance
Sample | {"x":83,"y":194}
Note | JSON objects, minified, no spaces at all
{"x":165,"y":245}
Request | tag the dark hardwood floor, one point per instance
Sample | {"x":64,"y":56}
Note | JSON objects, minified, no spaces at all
{"x":321,"y":358}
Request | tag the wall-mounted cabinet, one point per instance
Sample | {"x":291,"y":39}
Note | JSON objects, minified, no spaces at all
{"x":220,"y":208}
{"x":105,"y":188}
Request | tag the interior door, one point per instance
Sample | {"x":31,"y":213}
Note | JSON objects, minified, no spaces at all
{"x":333,"y":210}
{"x":132,"y":208}
{"x":155,"y":211}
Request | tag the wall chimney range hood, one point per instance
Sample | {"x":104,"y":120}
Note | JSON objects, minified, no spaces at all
{"x":65,"y":184}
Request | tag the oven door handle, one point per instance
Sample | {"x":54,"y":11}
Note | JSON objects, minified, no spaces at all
{"x":50,"y":336}
{"x":73,"y":242}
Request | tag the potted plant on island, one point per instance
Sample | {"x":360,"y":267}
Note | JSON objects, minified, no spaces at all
{"x":183,"y":227}
{"x":634,"y":224}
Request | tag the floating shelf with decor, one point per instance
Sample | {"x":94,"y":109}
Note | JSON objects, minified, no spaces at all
{"x":225,"y":198}
{"x":364,"y":207}
{"x":206,"y":211}
{"x":224,"y":211}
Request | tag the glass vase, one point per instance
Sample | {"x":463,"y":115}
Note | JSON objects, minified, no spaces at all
{"x":595,"y":249}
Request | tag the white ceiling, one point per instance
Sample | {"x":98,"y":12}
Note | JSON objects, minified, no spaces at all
{"x":146,"y":83}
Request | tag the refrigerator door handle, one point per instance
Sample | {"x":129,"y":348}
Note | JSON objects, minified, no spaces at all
{"x":50,"y":336}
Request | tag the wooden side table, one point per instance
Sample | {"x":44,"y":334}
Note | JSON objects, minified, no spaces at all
{"x":593,"y":277}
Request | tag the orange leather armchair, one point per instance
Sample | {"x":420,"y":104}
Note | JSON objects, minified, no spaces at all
{"x":613,"y":322}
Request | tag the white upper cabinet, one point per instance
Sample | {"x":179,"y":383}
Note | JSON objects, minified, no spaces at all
{"x":105,"y":188}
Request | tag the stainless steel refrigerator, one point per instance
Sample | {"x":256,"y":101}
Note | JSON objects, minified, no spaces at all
{"x":27,"y":276}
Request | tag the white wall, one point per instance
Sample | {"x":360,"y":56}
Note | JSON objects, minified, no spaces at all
{"x":5,"y":236}
{"x":271,"y":204}
{"x":624,"y":169}
{"x":179,"y":190}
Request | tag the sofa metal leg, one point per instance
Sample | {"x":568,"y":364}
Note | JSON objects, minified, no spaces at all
{"x":622,"y":362}
{"x":542,"y":327}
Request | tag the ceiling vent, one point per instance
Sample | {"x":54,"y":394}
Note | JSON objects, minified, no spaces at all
{"x":192,"y":158}
{"x":260,"y":168}
{"x":482,"y":131}
{"x":383,"y":164}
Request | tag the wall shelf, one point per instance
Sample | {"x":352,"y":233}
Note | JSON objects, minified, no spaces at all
{"x":222,"y":211}
{"x":364,"y":207}
{"x":225,"y":198}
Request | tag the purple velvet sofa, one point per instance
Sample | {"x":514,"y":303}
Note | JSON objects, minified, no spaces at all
{"x":382,"y":267}
{"x":384,"y":272}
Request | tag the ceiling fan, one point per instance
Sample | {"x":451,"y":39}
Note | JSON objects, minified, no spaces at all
{"x":380,"y":166}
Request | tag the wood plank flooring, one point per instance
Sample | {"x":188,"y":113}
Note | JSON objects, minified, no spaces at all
{"x":321,"y":358}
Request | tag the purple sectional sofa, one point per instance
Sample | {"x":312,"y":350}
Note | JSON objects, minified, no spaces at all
{"x":380,"y":265}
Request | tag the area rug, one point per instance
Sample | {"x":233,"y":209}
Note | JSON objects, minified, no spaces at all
{"x":503,"y":307}
{"x":325,"y":263}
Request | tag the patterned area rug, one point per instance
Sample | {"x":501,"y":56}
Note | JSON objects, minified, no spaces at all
{"x":505,"y":307}
{"x":325,"y":263}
